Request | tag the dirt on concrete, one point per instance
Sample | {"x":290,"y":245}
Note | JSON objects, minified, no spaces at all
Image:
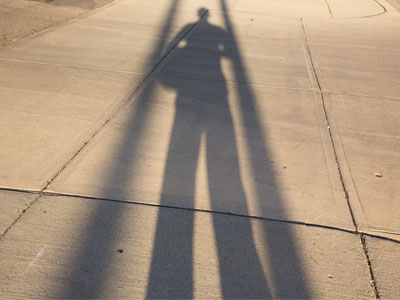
{"x":21,"y":18}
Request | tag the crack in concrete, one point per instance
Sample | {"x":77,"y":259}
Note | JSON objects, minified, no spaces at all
{"x":371,"y":273}
{"x":95,"y":198}
{"x":329,"y":8}
{"x":345,"y":191}
{"x":383,"y":7}
{"x":321,"y":94}
{"x":20,"y":214}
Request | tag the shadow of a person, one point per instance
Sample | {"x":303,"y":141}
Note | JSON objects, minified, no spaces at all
{"x":203,"y":115}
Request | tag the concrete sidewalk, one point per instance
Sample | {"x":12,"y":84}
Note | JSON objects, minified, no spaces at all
{"x":21,"y":18}
{"x":223,"y":149}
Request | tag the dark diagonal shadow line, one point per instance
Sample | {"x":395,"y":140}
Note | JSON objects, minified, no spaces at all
{"x":96,"y":249}
{"x":288,"y":278}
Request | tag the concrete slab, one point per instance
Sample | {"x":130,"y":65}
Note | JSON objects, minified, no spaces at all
{"x":368,"y":129}
{"x":91,"y":43}
{"x":20,"y":18}
{"x":385,"y":262}
{"x":122,"y":37}
{"x":12,"y":205}
{"x":183,"y":4}
{"x":357,"y":70}
{"x":46,"y":111}
{"x":285,"y":8}
{"x":355,"y":8}
{"x":249,"y":24}
{"x":81,"y":248}
{"x":375,"y":33}
{"x":224,"y":147}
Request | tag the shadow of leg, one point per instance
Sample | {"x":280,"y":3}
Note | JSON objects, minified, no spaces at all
{"x":171,"y":273}
{"x":241,"y":273}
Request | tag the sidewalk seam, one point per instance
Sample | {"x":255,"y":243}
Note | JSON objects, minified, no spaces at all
{"x":238,"y":83}
{"x":322,"y":98}
{"x":323,"y":106}
{"x":361,"y":95}
{"x":20,"y":215}
{"x":329,"y":8}
{"x":68,"y":66}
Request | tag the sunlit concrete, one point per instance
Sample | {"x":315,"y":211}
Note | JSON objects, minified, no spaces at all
{"x":20,"y":18}
{"x":358,"y":70}
{"x":285,"y":8}
{"x":46,"y":110}
{"x":369,"y":132}
{"x":385,"y":262}
{"x":117,"y":38}
{"x":358,"y":65}
{"x":354,"y":8}
{"x":378,"y":32}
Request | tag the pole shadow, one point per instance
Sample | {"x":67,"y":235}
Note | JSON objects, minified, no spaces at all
{"x":88,"y":275}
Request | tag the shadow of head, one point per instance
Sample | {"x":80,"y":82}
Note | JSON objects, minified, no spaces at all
{"x":202,"y":12}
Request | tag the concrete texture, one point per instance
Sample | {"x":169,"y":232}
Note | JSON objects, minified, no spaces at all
{"x":83,"y":248}
{"x":375,"y":33}
{"x":61,"y":105}
{"x":255,"y":110}
{"x":354,"y":8}
{"x":395,"y":4}
{"x":117,"y":38}
{"x":12,"y":205}
{"x":21,"y":18}
{"x":385,"y":262}
{"x":357,"y":70}
{"x":285,"y":8}
{"x":356,"y":61}
{"x":368,"y":129}
{"x":89,"y":71}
